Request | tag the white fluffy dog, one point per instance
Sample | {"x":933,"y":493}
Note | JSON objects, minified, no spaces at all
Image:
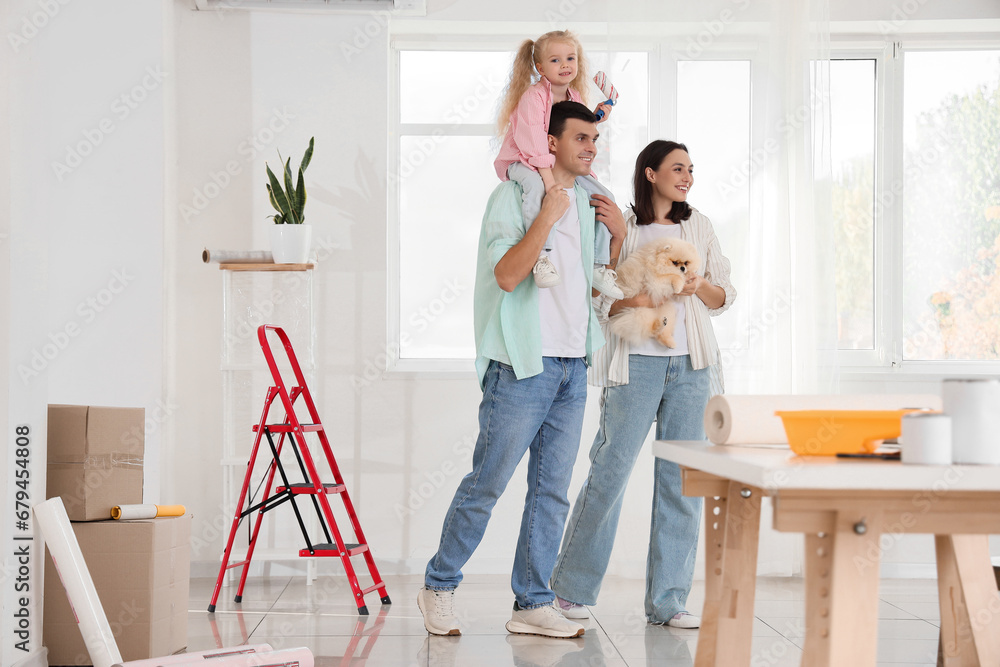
{"x":659,"y":268}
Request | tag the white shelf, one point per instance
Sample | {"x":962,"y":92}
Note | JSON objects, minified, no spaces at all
{"x":253,"y":296}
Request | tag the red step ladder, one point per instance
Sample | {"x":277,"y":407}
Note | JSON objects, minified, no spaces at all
{"x":290,"y":429}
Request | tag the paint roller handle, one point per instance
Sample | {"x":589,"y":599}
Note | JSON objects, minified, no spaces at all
{"x":600,"y":112}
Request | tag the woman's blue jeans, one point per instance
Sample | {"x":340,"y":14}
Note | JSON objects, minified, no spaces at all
{"x":669,"y":390}
{"x":542,"y":415}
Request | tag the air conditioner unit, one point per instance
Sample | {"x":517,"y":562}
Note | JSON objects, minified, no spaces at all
{"x":402,"y":7}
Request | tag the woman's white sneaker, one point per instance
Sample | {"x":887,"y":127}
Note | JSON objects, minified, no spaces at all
{"x":544,"y":621}
{"x":684,"y":620}
{"x":438,"y":609}
{"x":572,"y":609}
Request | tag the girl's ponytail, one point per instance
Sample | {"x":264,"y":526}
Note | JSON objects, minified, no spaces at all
{"x":521,"y":77}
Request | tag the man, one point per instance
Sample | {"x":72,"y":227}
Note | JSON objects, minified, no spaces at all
{"x":533,"y":349}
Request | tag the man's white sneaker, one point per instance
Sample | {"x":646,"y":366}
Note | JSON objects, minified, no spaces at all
{"x":684,"y":620}
{"x":544,"y":621}
{"x":438,"y":609}
{"x":572,"y":609}
{"x":605,"y":282}
{"x":545,"y":273}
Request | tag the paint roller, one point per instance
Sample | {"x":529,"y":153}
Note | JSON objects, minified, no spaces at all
{"x":609,"y":91}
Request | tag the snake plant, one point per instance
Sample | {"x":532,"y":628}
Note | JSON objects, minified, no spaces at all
{"x":290,"y":200}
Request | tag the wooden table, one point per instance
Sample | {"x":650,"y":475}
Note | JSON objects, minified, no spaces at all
{"x":850,"y":511}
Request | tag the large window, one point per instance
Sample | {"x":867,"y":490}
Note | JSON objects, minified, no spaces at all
{"x":951,"y":230}
{"x":852,"y":157}
{"x":444,"y":175}
{"x":717,"y":134}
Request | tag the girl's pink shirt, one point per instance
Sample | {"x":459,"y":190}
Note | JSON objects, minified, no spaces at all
{"x":526,"y":139}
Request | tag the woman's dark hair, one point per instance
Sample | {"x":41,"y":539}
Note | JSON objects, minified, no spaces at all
{"x":652,"y":156}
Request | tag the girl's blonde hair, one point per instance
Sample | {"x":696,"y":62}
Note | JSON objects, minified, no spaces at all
{"x":523,"y":72}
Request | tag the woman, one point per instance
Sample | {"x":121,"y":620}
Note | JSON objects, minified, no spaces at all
{"x":647,"y":382}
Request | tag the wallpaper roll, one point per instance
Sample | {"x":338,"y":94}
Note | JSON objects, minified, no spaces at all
{"x":750,"y":420}
{"x":182,"y":658}
{"x":75,"y":577}
{"x":126,"y":512}
{"x":237,"y":256}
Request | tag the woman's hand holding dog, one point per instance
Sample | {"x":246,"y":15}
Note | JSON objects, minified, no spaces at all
{"x":691,"y":285}
{"x":713,"y":296}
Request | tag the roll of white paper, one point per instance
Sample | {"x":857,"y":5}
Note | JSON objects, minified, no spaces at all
{"x":237,"y":256}
{"x":750,"y":420}
{"x":75,"y":577}
{"x":974,"y":408}
{"x":181,"y":658}
{"x":925,"y":439}
{"x":292,"y":657}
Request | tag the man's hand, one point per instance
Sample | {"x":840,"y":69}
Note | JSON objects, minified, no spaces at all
{"x":606,"y":211}
{"x":555,"y":203}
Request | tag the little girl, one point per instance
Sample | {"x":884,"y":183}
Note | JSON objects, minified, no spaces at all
{"x":557,"y":59}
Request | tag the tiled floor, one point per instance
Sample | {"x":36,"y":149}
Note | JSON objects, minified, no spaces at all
{"x":285,"y":612}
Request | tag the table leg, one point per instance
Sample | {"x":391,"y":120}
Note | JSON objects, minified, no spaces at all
{"x":842,"y":575}
{"x":731,"y":539}
{"x":715,"y":543}
{"x":970,"y":605}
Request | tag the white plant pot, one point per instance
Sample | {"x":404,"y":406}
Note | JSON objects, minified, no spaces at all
{"x":290,"y":244}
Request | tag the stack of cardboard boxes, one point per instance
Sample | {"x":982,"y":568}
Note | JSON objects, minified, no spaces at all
{"x":141,"y":569}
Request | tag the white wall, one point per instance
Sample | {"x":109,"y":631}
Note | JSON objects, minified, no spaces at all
{"x":87,"y":156}
{"x":82,"y":260}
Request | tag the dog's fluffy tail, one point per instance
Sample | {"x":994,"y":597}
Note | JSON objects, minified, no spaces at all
{"x":634,"y":324}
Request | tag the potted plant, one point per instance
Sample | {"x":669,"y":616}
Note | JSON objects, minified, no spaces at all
{"x":290,"y":236}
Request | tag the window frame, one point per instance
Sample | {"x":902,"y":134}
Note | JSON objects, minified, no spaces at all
{"x":886,"y":360}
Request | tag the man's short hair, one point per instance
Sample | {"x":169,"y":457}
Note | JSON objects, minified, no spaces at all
{"x":562,"y":111}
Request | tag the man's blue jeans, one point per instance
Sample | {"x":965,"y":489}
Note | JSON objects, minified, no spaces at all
{"x":671,"y":391}
{"x":542,"y":415}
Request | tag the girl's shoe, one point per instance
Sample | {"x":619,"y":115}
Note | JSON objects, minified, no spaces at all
{"x":604,"y":282}
{"x":545,"y":273}
{"x":572,"y":609}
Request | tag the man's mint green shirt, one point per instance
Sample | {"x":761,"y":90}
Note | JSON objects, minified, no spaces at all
{"x":508,"y":326}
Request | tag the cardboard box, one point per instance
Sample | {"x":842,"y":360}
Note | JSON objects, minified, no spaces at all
{"x":95,"y":458}
{"x":141,"y":570}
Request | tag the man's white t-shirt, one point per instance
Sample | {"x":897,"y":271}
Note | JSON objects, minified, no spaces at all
{"x":564,"y":309}
{"x":651,"y":346}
